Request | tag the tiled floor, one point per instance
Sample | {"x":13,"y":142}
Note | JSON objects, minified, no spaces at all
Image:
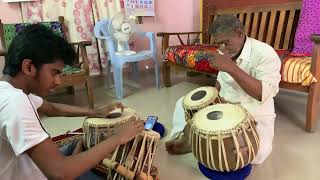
{"x":295,"y":156}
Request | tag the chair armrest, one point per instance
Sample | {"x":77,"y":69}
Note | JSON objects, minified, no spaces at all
{"x":152,"y":40}
{"x":82,"y":43}
{"x":83,"y":52}
{"x":166,"y":36}
{"x":3,"y":52}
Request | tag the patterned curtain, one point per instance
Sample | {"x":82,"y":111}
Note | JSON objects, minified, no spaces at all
{"x":80,"y":17}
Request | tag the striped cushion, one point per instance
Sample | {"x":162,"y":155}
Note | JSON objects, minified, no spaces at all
{"x":297,"y":70}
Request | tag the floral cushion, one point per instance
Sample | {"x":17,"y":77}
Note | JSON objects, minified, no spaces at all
{"x":11,"y":30}
{"x":295,"y":68}
{"x":193,"y":57}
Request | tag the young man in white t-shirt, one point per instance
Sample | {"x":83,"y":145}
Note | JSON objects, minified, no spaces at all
{"x":33,"y":67}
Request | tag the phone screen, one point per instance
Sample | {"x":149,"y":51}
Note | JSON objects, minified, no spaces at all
{"x":150,"y":122}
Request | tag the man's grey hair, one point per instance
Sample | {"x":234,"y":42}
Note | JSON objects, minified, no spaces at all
{"x":225,"y":24}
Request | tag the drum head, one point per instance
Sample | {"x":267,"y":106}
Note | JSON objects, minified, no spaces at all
{"x":200,"y":97}
{"x":219,"y":117}
{"x":114,"y":117}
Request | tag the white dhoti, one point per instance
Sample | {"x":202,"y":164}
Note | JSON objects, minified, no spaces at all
{"x":265,"y":129}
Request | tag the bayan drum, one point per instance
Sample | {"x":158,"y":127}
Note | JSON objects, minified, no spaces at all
{"x":223,"y":137}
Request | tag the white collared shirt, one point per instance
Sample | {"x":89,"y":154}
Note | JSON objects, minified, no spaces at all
{"x":260,"y":61}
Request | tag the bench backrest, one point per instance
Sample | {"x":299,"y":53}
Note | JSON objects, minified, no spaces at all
{"x":274,"y":24}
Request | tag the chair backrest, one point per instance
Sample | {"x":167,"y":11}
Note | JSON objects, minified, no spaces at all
{"x":274,"y":24}
{"x":101,"y":31}
{"x":9,"y":31}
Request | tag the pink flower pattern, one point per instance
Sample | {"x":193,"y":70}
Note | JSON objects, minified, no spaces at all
{"x":82,"y":22}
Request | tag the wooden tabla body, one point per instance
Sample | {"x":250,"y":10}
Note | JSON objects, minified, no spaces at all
{"x":198,"y":99}
{"x":98,"y":129}
{"x":224,"y":137}
{"x":137,"y":155}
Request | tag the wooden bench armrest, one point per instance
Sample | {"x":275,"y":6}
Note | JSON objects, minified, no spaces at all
{"x":177,"y":33}
{"x":315,"y":66}
{"x":82,"y":43}
{"x":81,"y":50}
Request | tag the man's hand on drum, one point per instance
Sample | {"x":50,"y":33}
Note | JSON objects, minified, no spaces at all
{"x":129,"y":130}
{"x":105,"y":110}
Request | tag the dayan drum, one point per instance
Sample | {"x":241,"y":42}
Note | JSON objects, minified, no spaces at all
{"x":198,"y":99}
{"x":98,"y":129}
{"x":224,"y":137}
{"x":136,"y":156}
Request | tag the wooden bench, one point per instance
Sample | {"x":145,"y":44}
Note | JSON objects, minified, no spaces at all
{"x":274,"y":24}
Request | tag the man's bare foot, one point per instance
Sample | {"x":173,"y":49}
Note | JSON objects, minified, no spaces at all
{"x":178,"y":146}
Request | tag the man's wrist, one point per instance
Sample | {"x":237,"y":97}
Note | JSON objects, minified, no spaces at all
{"x":91,"y":113}
{"x":234,"y":69}
{"x":117,"y":138}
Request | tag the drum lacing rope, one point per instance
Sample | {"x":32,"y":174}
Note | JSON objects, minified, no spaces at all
{"x":146,"y":147}
{"x":197,"y":145}
{"x":224,"y":155}
{"x":222,"y":151}
{"x":200,"y":148}
{"x":239,"y":154}
{"x":148,"y":156}
{"x":254,"y":133}
{"x":139,"y":163}
{"x":123,"y":159}
{"x":153,"y":153}
{"x":130,"y":159}
{"x":219,"y":152}
{"x":249,"y":144}
{"x":211,"y":153}
{"x":208,"y":151}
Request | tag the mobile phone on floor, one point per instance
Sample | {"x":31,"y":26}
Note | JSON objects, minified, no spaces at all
{"x":150,"y":122}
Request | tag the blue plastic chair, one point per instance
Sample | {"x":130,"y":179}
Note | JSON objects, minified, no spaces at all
{"x":117,"y":61}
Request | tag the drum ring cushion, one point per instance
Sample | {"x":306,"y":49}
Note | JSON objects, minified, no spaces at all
{"x":158,"y":127}
{"x":240,"y":174}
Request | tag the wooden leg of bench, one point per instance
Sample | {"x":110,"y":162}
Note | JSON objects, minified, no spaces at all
{"x":166,"y":74}
{"x":90,"y":93}
{"x":312,"y":106}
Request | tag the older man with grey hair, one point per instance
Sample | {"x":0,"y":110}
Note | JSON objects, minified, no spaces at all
{"x":249,"y":74}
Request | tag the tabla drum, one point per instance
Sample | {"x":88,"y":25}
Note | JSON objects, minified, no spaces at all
{"x":224,"y":137}
{"x":98,"y":129}
{"x":198,"y":99}
{"x":137,"y":156}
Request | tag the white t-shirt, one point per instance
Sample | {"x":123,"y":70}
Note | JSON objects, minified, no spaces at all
{"x":20,"y":129}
